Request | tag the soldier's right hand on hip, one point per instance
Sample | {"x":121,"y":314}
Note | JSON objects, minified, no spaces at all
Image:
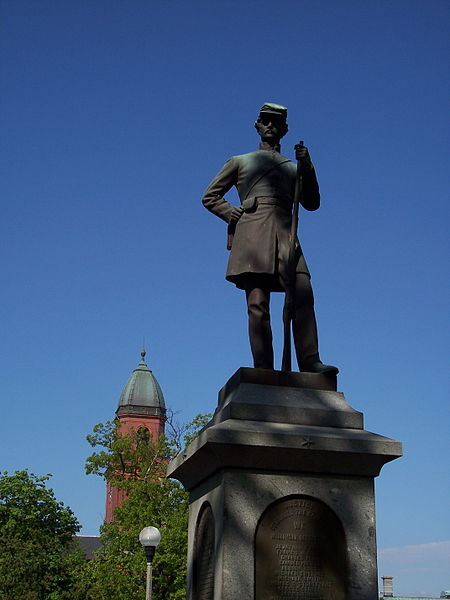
{"x":236,"y":213}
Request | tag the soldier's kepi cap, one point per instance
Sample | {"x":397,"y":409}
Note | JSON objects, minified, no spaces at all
{"x":274,"y":109}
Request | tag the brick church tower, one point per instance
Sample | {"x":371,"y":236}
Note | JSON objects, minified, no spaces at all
{"x":141,"y":404}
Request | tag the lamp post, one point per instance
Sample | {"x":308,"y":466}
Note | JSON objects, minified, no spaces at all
{"x":149,"y":538}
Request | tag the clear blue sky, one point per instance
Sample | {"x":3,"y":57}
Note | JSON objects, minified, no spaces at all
{"x":115,"y":115}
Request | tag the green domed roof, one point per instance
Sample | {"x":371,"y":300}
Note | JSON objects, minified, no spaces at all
{"x":142,"y":394}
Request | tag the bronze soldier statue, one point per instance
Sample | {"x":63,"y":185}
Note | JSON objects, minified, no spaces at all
{"x":259,"y":237}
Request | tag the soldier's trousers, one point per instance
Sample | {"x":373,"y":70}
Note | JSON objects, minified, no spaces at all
{"x":304,"y":324}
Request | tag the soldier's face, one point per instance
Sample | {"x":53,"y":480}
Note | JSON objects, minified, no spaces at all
{"x":270,"y":127}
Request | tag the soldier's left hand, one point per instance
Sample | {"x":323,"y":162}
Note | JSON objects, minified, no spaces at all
{"x":302,"y":155}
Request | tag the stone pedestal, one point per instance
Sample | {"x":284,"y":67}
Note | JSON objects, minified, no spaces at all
{"x":281,"y":493}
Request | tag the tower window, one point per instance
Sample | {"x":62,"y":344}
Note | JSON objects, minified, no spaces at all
{"x":143,"y":436}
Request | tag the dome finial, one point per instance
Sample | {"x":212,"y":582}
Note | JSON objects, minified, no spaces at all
{"x":143,"y":353}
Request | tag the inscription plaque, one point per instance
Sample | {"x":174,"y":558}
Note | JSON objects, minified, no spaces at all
{"x":300,"y":552}
{"x":203,"y":587}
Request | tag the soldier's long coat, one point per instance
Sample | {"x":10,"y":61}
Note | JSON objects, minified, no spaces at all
{"x":261,"y":241}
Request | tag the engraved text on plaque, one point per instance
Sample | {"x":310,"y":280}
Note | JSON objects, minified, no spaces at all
{"x":300,"y":552}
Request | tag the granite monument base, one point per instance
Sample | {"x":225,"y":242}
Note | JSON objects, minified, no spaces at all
{"x":281,"y":486}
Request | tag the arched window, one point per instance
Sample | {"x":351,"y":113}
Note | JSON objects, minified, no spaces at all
{"x":143,"y":436}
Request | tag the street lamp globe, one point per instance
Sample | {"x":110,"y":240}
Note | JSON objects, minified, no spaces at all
{"x":150,"y":538}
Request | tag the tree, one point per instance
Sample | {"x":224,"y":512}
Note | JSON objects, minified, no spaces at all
{"x":38,"y":553}
{"x":137,"y":465}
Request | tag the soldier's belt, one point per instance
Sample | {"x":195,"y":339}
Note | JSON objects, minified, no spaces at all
{"x":251,"y":204}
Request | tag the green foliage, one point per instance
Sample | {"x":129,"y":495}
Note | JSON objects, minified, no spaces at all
{"x":183,"y":436}
{"x":125,"y":459}
{"x":138,"y":466}
{"x":38,"y":555}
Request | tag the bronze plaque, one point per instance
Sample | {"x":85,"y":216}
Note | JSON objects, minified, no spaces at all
{"x":204,"y":555}
{"x":300,"y":552}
